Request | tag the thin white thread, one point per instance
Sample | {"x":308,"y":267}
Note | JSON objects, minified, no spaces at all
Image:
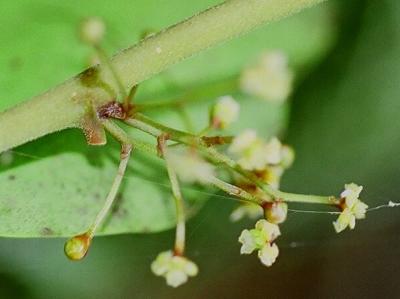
{"x":390,"y":204}
{"x":25,"y":155}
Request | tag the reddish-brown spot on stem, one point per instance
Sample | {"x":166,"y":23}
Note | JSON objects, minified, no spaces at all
{"x":112,"y":109}
{"x":217,"y":140}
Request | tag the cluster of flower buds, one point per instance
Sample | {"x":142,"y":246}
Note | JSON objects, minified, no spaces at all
{"x":268,"y":160}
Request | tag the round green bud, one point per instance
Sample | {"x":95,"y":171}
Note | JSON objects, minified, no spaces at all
{"x":77,"y":247}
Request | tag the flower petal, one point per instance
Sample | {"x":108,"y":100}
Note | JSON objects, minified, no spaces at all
{"x":360,"y":210}
{"x":268,"y":254}
{"x":248,"y":242}
{"x":175,"y":278}
{"x":270,"y":230}
{"x":161,"y":264}
{"x":191,"y":268}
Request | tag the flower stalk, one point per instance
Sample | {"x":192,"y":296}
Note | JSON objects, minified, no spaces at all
{"x":154,"y":128}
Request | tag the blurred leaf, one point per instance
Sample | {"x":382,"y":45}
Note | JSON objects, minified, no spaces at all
{"x":58,"y":184}
{"x":345,"y":124}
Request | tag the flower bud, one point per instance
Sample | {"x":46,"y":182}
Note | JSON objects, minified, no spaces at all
{"x":92,"y":30}
{"x":225,"y":112}
{"x":77,"y":247}
{"x":270,"y":79}
{"x":276,"y":212}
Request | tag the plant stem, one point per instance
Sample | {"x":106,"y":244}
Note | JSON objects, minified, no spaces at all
{"x":64,"y":106}
{"x":179,"y":247}
{"x":235,"y":191}
{"x":106,"y":62}
{"x":126,"y":148}
{"x":151,"y":127}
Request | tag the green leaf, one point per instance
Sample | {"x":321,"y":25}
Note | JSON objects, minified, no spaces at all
{"x":56,"y":185}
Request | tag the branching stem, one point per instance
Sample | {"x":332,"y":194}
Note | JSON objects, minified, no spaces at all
{"x":65,"y":106}
{"x":151,"y":127}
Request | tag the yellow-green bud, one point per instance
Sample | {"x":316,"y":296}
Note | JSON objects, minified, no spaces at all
{"x":77,"y":247}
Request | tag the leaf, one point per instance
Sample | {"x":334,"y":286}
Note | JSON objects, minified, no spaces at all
{"x":56,"y":185}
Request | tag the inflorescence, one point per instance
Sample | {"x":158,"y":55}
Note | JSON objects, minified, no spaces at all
{"x":256,"y":164}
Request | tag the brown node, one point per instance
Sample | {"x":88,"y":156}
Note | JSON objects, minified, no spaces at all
{"x":112,"y":109}
{"x":161,"y":143}
{"x":249,"y":187}
{"x":216,"y":140}
{"x":93,"y":130}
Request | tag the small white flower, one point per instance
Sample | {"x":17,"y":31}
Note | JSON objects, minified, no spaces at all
{"x":250,"y":210}
{"x":92,"y":30}
{"x":273,"y":151}
{"x":225,"y":112}
{"x":250,"y":150}
{"x":276,"y":212}
{"x":175,"y":269}
{"x":254,"y":153}
{"x":260,"y":238}
{"x":243,"y":141}
{"x":189,"y":166}
{"x":352,"y":208}
{"x":270,"y":79}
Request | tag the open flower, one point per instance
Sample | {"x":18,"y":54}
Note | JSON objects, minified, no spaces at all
{"x":189,"y":166}
{"x":261,"y":238}
{"x":254,"y":153}
{"x":250,"y":150}
{"x":175,"y":269}
{"x":270,"y":79}
{"x":225,"y":112}
{"x":352,"y":208}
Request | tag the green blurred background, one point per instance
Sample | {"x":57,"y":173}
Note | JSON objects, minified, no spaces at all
{"x":343,"y":123}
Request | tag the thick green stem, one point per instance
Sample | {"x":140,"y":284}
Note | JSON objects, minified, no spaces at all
{"x":64,"y":106}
